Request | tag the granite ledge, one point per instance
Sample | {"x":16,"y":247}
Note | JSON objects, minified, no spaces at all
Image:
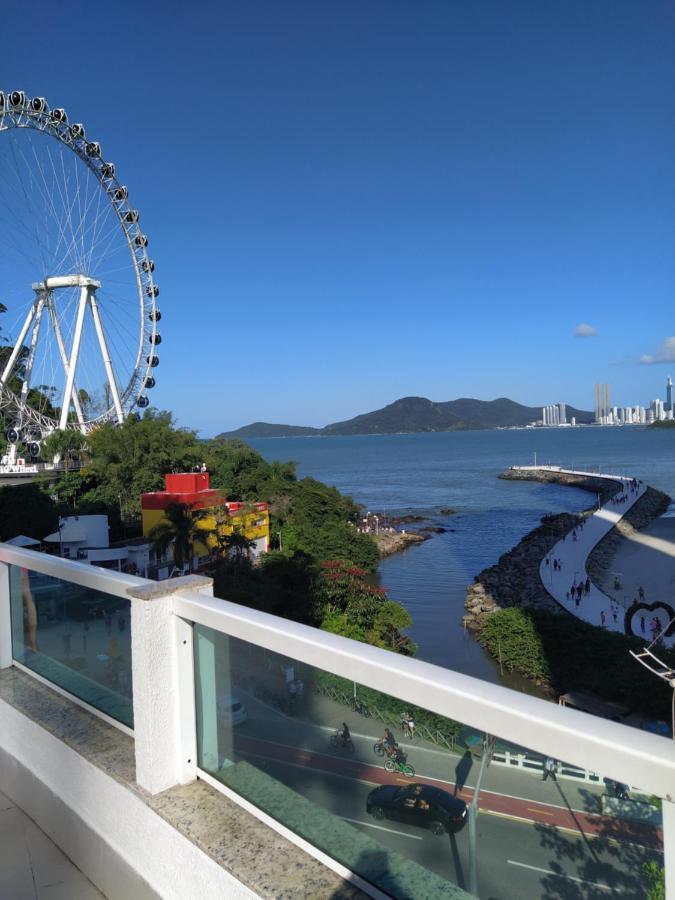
{"x":257,"y":856}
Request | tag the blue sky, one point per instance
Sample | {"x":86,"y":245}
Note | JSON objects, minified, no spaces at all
{"x":352,"y":202}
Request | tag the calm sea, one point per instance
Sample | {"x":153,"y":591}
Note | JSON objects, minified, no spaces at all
{"x":425,"y":472}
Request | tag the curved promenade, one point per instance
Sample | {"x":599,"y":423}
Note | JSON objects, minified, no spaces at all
{"x":572,"y":554}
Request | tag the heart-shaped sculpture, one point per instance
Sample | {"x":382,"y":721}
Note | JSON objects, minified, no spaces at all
{"x":637,"y":612}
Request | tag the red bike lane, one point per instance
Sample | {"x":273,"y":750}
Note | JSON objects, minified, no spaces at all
{"x":532,"y":811}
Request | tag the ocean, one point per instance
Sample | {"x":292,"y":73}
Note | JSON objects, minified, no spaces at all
{"x":422,"y":473}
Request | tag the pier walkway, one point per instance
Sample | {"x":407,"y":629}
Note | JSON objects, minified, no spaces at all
{"x":572,"y":553}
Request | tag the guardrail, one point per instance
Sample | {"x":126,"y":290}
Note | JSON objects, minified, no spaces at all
{"x":167,"y":623}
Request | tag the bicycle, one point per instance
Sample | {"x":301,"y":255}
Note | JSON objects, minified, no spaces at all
{"x":359,"y":707}
{"x":338,"y":740}
{"x":399,"y":765}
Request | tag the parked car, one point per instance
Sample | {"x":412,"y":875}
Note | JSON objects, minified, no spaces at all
{"x":231,"y":711}
{"x":418,"y":804}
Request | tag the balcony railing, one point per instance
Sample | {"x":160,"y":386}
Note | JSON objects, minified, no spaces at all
{"x":251,"y":703}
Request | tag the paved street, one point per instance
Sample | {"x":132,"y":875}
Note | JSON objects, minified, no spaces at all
{"x":534,"y":838}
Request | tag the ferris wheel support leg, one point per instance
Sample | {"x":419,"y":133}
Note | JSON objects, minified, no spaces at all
{"x":64,"y":360}
{"x":106,"y":358}
{"x":18,"y":345}
{"x":70,"y":378}
{"x":31,"y":353}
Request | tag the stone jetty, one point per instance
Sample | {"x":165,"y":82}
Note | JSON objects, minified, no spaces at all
{"x":515,"y":580}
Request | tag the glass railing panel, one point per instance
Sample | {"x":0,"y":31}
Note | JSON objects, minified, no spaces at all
{"x":267,"y":728}
{"x":77,"y":638}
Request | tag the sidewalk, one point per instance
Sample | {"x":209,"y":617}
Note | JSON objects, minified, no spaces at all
{"x":572,"y":553}
{"x":31,"y":866}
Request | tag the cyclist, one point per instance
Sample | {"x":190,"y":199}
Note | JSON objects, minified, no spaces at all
{"x":388,"y":741}
{"x":344,"y":735}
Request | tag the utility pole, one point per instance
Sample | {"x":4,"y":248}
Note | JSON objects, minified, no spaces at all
{"x":489,"y":743}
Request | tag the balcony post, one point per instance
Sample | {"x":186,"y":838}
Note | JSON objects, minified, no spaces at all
{"x":5,"y":619}
{"x":163,"y":683}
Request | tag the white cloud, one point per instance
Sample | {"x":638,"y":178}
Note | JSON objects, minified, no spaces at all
{"x":665,"y":354}
{"x":584,"y":330}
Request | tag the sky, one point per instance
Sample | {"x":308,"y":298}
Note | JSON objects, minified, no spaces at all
{"x":353,"y":202}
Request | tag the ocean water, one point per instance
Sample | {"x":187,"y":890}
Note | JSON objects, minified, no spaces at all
{"x":424,"y":472}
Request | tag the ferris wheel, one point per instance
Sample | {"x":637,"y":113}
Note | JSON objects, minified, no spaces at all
{"x":78,"y":301}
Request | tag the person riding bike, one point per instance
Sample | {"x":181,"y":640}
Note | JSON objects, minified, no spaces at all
{"x":344,"y":735}
{"x":389,"y":744}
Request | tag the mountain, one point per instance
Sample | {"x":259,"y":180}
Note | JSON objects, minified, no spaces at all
{"x":265,"y":429}
{"x":414,"y":414}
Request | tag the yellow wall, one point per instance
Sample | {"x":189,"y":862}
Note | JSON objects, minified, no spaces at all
{"x":243,"y":520}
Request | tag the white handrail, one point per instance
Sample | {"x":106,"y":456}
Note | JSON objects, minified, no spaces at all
{"x":94,"y":577}
{"x":614,"y":750}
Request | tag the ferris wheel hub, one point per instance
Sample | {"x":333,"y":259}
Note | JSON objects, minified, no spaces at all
{"x":65,"y":281}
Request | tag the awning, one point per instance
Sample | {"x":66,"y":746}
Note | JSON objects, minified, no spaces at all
{"x":22,"y":540}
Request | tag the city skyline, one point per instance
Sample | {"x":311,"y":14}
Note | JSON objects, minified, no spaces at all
{"x":390,"y":201}
{"x":659,"y":409}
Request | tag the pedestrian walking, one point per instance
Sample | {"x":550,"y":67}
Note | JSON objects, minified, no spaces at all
{"x":549,"y":769}
{"x":614,"y":615}
{"x":587,"y":586}
{"x":577,"y":600}
{"x":602,"y":617}
{"x":641,"y":593}
{"x":642,"y":624}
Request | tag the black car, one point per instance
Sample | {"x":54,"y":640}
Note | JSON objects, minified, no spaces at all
{"x":418,"y":804}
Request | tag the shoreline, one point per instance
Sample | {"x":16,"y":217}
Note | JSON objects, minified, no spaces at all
{"x":515,"y":579}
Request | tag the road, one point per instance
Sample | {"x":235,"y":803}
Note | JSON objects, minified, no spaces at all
{"x":534,"y":839}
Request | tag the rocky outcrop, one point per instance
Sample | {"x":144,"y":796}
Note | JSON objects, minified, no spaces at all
{"x":395,"y":541}
{"x":514,"y":580}
{"x":601,"y":486}
{"x":650,"y":506}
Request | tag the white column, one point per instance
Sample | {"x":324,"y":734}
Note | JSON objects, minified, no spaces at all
{"x":163,"y":684}
{"x":18,"y":345}
{"x":5,"y":619}
{"x":64,"y":358}
{"x":33,"y":347}
{"x":70,"y":379}
{"x":107,"y":362}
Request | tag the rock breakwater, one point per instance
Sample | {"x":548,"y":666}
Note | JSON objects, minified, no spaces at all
{"x":515,"y":580}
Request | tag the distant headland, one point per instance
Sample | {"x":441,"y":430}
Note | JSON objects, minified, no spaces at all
{"x":411,"y":415}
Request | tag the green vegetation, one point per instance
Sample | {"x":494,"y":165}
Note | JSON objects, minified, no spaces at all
{"x":563,"y":654}
{"x":26,"y":509}
{"x":310,"y":523}
{"x":662,"y":423}
{"x":655,"y":880}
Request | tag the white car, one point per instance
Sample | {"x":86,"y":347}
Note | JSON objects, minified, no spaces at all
{"x":231,"y":711}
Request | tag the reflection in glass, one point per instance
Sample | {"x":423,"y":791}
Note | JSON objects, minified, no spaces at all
{"x":75,"y":637}
{"x":310,"y":749}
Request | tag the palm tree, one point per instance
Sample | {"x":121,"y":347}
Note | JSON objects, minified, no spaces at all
{"x":182,"y":529}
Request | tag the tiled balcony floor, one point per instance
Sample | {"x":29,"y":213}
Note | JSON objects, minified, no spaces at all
{"x":31,"y":866}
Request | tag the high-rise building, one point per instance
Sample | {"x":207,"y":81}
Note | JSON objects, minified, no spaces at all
{"x":562,"y":414}
{"x":669,"y":394}
{"x":602,"y":411}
